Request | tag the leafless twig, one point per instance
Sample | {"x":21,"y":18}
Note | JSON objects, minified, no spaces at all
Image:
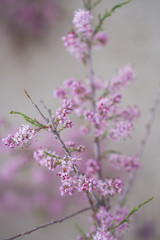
{"x":46,"y":119}
{"x":141,"y":146}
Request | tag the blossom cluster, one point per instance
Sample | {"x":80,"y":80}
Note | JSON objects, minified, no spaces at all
{"x":106,"y":107}
{"x":61,"y":114}
{"x":80,"y":182}
{"x":127,"y":162}
{"x":24,"y":135}
{"x":35,"y":194}
{"x":77,"y":40}
{"x":46,"y":158}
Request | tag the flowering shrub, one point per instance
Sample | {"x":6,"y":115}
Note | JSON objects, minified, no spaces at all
{"x":99,"y":107}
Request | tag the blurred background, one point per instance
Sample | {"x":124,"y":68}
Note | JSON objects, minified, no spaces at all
{"x":32,"y":57}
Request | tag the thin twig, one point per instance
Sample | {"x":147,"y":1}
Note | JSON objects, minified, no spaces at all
{"x":141,"y":147}
{"x":46,"y":119}
{"x":47,"y":224}
{"x":126,"y":219}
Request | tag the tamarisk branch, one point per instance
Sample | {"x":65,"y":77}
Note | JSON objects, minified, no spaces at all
{"x":47,"y":224}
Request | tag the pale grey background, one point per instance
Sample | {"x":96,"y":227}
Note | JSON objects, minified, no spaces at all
{"x":134,"y":37}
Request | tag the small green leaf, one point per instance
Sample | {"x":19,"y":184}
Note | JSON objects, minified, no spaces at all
{"x":34,"y":122}
{"x":106,"y":14}
{"x":51,"y":155}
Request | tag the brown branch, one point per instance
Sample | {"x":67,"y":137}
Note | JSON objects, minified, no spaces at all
{"x":141,"y":147}
{"x":46,"y":119}
{"x":48,"y":224}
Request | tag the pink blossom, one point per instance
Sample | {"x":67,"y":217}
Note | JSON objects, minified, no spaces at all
{"x":67,"y":108}
{"x":82,"y":23}
{"x":45,"y":160}
{"x":86,"y":184}
{"x":103,"y":105}
{"x":103,"y":234}
{"x":68,"y":83}
{"x":78,"y":88}
{"x":92,"y":167}
{"x":68,"y":186}
{"x":61,"y":116}
{"x":68,"y":124}
{"x":124,"y":76}
{"x":110,"y":186}
{"x":81,"y":148}
{"x":89,"y":115}
{"x":129,"y":113}
{"x":60,"y":93}
{"x":70,"y":144}
{"x":128,"y":162}
{"x":121,"y":130}
{"x":100,"y":39}
{"x":24,"y":135}
{"x":75,"y":46}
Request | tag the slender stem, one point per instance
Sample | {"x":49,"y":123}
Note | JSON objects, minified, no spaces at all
{"x":96,"y":139}
{"x":65,"y":149}
{"x":46,"y":119}
{"x":141,"y":146}
{"x":47,"y":224}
